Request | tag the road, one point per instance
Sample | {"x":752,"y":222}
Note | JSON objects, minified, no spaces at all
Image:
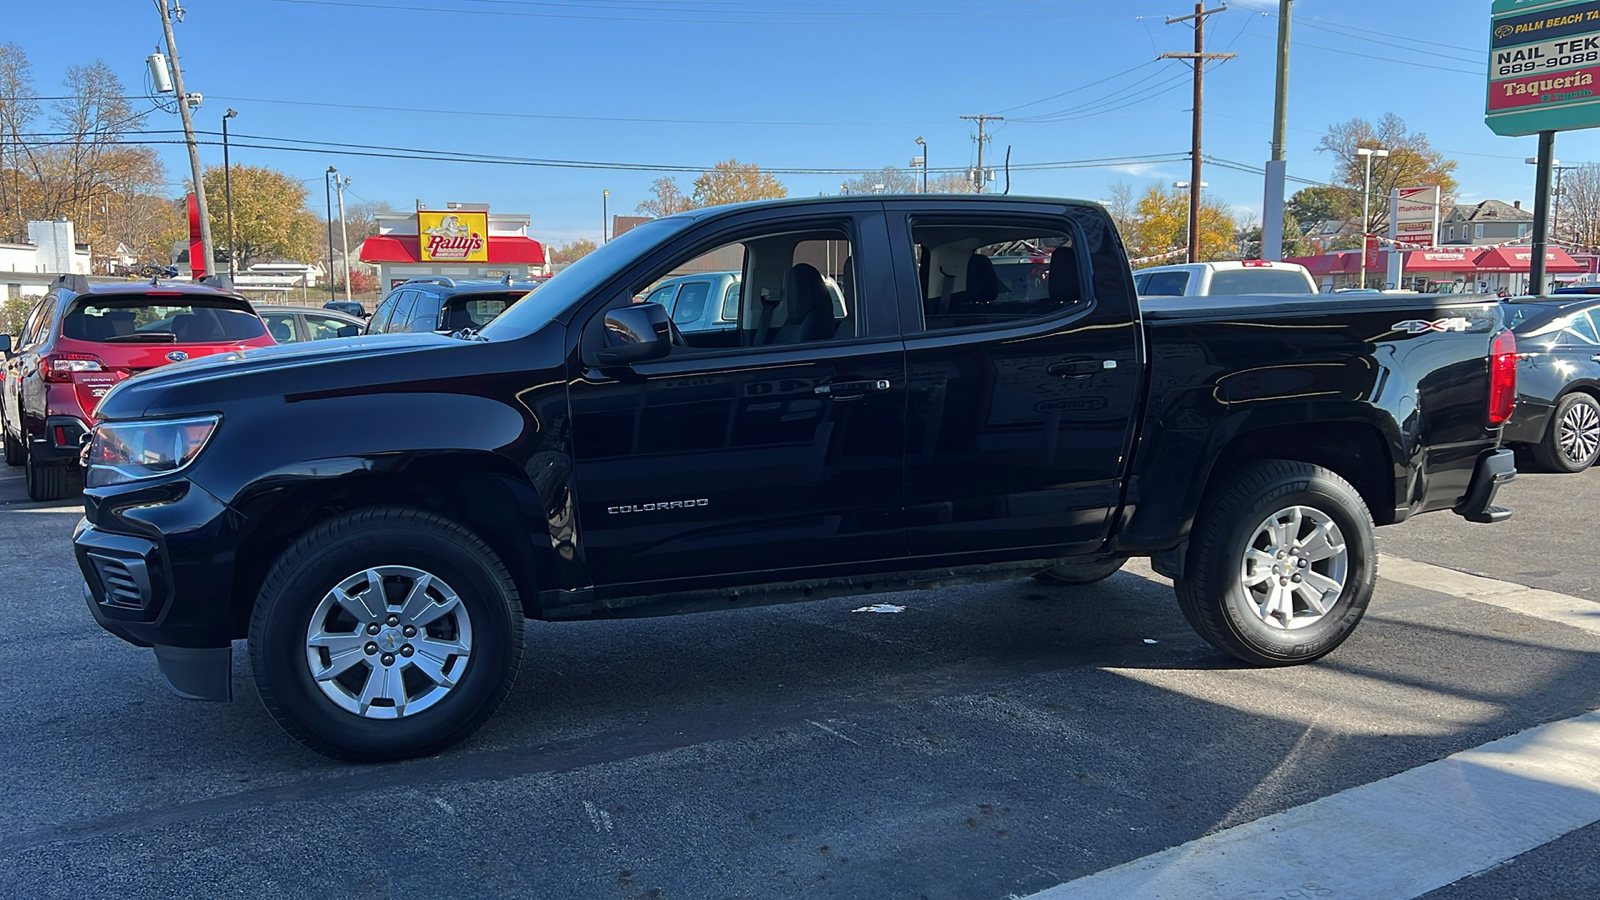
{"x":993,"y":741}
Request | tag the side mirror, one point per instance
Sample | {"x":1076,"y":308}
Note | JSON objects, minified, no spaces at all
{"x":349,"y":331}
{"x":5,"y":344}
{"x":635,"y":334}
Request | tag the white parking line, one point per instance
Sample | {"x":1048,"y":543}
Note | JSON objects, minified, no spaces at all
{"x":1393,"y":839}
{"x":1573,"y":611}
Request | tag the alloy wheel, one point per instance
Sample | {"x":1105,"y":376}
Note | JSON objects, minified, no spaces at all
{"x":388,"y":642}
{"x":1579,"y":436}
{"x":1294,"y":568}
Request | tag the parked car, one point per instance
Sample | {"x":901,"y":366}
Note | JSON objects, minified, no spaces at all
{"x":1250,"y":276}
{"x":297,"y":324}
{"x":444,"y":304}
{"x":348,"y":307}
{"x":1558,"y":380}
{"x":380,"y":539}
{"x":699,"y":304}
{"x":81,"y":340}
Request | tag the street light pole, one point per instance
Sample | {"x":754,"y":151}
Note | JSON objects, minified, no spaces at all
{"x":227,"y":190}
{"x":339,"y":184}
{"x":327,"y":189}
{"x":924,"y":145}
{"x":605,"y":217}
{"x":1367,"y":153}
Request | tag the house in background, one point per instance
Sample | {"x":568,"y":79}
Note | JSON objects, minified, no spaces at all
{"x":1489,"y":222}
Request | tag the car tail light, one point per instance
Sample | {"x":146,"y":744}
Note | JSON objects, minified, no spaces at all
{"x":62,"y":366}
{"x":1502,"y":377}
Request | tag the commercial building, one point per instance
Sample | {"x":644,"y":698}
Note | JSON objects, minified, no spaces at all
{"x":461,"y":241}
{"x":27,"y":270}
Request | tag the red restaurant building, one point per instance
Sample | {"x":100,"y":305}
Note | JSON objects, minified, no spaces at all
{"x":1462,"y":271}
{"x":461,"y":241}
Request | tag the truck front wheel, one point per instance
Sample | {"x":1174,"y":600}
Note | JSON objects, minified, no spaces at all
{"x":1281,"y":564}
{"x":385,"y":633}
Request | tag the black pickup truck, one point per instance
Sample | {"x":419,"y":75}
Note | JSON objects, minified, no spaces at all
{"x":921,"y":391}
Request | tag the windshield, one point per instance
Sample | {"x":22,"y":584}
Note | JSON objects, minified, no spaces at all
{"x":161,"y":319}
{"x":576,"y":281}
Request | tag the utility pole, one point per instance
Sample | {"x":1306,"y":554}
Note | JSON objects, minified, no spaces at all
{"x":208,"y":249}
{"x":339,"y":184}
{"x":1198,"y":58}
{"x":327,"y":190}
{"x":982,"y":174}
{"x":1277,"y":168}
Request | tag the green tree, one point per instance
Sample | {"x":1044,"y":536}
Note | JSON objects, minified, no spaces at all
{"x":270,"y":218}
{"x":1315,"y":204}
{"x":1162,"y":223}
{"x":1412,"y":162}
{"x":572,"y":251}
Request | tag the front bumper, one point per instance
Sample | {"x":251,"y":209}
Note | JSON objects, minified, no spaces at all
{"x":1494,"y":468}
{"x":156,"y":563}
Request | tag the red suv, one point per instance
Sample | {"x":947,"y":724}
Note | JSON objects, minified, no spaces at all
{"x":82,"y":339}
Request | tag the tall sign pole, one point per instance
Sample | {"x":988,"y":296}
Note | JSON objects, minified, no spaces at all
{"x":208,"y":249}
{"x":1544,"y":77}
{"x":1198,"y":58}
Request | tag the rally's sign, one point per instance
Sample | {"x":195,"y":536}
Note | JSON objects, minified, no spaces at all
{"x":1544,"y":66}
{"x":453,"y":236}
{"x":1416,"y":220}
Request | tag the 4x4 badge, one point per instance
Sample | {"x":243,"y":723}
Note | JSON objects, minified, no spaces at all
{"x":1418,"y":326}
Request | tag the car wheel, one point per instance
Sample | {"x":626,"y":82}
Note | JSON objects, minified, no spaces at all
{"x":1081,"y":571}
{"x":15,"y":453}
{"x":1281,"y":564}
{"x":1571,"y":440}
{"x":385,"y":633}
{"x":48,"y":482}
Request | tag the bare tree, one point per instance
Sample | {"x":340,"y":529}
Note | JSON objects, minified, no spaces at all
{"x":1580,"y":206}
{"x":1122,"y":207}
{"x":888,"y":181}
{"x":668,"y":199}
{"x":18,"y":110}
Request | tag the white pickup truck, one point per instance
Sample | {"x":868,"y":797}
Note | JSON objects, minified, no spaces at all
{"x":1250,"y":276}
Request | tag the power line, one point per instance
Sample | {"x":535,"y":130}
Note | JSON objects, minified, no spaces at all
{"x":943,"y":18}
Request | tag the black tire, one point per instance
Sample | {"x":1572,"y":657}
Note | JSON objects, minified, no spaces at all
{"x":355,"y":542}
{"x":15,"y":452}
{"x":1571,"y":439}
{"x":1213,"y":594}
{"x":50,"y":482}
{"x":1072,"y":572}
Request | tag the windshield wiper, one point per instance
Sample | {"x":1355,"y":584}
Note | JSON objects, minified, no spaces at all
{"x":143,"y":337}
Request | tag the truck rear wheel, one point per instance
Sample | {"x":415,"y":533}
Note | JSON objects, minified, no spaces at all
{"x":384,"y":634}
{"x":1281,"y":565}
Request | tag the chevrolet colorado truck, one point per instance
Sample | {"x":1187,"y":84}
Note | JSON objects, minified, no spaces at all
{"x":378,"y":516}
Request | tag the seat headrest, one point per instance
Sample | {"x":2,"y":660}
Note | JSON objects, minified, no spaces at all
{"x":281,"y":331}
{"x":983,"y":285}
{"x":1065,"y":286}
{"x":803,"y":292}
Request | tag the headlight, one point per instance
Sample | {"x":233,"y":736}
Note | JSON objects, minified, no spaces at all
{"x":121,"y":452}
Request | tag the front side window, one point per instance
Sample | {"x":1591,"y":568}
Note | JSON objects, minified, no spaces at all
{"x":792,"y":287}
{"x":995,"y":273}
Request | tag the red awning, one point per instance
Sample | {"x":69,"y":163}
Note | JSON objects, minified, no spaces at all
{"x":388,"y":248}
{"x":1441,"y":261}
{"x":1329,"y":263}
{"x":1520,"y":259}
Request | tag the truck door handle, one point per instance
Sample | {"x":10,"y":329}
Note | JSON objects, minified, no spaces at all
{"x":1078,"y":368}
{"x":846,"y":390}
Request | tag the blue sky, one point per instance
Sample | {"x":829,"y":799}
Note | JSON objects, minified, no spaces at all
{"x":786,"y":84}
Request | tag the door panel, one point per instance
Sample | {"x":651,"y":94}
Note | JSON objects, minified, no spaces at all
{"x":757,"y":459}
{"x":1018,"y":433}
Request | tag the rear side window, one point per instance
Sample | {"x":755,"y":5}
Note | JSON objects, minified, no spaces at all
{"x":1162,"y":284}
{"x":476,"y":310}
{"x":730,"y":303}
{"x":1258,"y":281}
{"x":158,"y":319}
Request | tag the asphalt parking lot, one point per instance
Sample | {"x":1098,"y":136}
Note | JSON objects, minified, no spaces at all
{"x":991,"y":741}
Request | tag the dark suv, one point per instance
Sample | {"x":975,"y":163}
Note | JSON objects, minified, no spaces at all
{"x":82,"y":339}
{"x":443,"y":304}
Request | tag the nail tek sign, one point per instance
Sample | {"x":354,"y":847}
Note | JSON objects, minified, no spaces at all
{"x":1544,"y":66}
